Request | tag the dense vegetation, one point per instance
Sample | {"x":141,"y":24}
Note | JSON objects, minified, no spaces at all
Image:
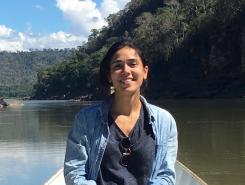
{"x":18,"y":70}
{"x":196,"y":49}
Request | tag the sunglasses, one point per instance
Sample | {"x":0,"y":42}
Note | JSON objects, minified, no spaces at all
{"x":125,"y":146}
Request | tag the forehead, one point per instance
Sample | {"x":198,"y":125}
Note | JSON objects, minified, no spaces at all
{"x":125,"y":52}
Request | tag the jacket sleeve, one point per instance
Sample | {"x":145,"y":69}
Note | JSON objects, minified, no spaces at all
{"x":171,"y":155}
{"x":166,"y":173}
{"x":76,"y":158}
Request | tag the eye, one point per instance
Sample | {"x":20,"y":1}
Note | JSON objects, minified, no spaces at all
{"x":132,"y":63}
{"x":116,"y":65}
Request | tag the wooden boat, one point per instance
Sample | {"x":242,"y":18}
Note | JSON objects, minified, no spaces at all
{"x":184,"y":176}
{"x":56,"y":179}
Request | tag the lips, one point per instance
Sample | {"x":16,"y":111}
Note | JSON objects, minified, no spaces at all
{"x":127,"y":80}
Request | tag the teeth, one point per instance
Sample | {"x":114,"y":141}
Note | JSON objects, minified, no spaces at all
{"x":126,"y":80}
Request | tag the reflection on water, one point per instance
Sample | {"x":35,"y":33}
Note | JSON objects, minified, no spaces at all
{"x":211,"y":139}
{"x":32,"y":140}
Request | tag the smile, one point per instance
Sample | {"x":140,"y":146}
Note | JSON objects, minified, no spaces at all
{"x":127,"y":80}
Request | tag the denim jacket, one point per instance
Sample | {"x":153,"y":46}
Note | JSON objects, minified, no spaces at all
{"x":89,"y":134}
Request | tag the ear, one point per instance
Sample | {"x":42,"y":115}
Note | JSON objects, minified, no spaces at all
{"x":146,"y":69}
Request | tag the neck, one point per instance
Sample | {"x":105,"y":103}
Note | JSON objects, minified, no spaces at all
{"x":125,"y":104}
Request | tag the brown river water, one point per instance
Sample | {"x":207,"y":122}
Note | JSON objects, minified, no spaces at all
{"x":211,"y":139}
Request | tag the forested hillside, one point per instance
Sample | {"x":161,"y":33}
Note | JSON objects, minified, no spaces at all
{"x":196,"y":49}
{"x":18,"y":70}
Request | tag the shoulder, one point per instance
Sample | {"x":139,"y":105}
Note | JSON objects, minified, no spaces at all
{"x":158,"y":115}
{"x":87,"y":116}
{"x":156,"y":111}
{"x":161,"y":118}
{"x":159,"y":112}
{"x":89,"y":110}
{"x":163,"y":123}
{"x":85,"y":121}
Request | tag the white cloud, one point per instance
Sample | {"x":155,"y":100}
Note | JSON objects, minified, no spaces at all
{"x":24,"y":41}
{"x":111,"y":6}
{"x":83,"y":15}
{"x":5,"y":31}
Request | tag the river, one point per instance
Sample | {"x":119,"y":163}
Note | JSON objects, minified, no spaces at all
{"x":211,"y":139}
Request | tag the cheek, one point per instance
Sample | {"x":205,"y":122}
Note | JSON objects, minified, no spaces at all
{"x":142,"y":73}
{"x":115,"y":73}
{"x":112,"y":76}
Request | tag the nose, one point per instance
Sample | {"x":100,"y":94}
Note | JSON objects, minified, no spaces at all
{"x":126,"y":69}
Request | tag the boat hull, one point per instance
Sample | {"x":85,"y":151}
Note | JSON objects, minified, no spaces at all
{"x":184,"y":176}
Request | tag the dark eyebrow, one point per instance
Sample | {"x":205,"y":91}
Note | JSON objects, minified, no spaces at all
{"x":132,"y":59}
{"x":116,"y":61}
{"x":119,"y":60}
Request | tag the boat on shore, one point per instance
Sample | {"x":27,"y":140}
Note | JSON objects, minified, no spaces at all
{"x":184,"y":176}
{"x":3,"y":103}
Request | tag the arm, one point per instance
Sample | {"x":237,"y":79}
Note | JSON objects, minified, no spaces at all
{"x":166,"y":172}
{"x":76,"y":158}
{"x":171,"y":155}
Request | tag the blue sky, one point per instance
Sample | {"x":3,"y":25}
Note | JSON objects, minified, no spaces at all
{"x":60,"y":24}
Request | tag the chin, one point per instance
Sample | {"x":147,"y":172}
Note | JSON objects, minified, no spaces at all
{"x":128,"y":91}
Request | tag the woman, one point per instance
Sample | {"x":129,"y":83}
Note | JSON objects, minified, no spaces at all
{"x":123,"y":140}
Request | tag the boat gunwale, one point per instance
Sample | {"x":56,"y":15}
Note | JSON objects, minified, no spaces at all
{"x":191,"y":172}
{"x":181,"y":165}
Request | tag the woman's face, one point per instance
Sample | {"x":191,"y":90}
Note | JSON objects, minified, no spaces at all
{"x":127,"y":71}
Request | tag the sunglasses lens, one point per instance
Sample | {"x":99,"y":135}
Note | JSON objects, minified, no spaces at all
{"x":126,"y":151}
{"x":125,"y":142}
{"x":125,"y":159}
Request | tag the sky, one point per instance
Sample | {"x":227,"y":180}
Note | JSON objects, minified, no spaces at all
{"x":38,"y":24}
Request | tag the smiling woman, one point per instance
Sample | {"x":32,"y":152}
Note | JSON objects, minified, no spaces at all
{"x":124,"y":139}
{"x":127,"y":70}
